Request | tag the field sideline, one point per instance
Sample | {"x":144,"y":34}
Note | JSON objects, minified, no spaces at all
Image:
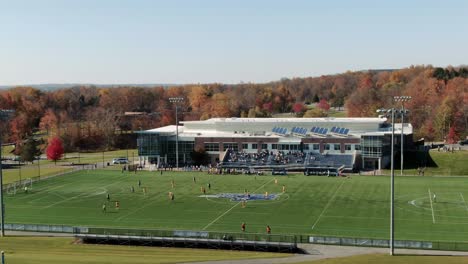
{"x":350,"y":207}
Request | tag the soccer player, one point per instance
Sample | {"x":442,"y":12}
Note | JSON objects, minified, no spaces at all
{"x":172,"y":184}
{"x":266,"y":195}
{"x":209,"y":186}
{"x":434,"y":197}
{"x":284,"y":188}
{"x":194,"y":180}
{"x":132,"y":189}
{"x":243,"y":227}
{"x":139,"y":183}
{"x":268,"y":229}
{"x":276,"y":181}
{"x":26,"y":189}
{"x":204,"y":190}
{"x":117,"y":205}
{"x":108,"y":197}
{"x":103,"y":207}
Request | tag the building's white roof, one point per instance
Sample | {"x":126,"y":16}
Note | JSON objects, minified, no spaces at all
{"x":261,"y":127}
{"x":285,"y":120}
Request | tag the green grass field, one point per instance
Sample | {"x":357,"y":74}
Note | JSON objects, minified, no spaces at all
{"x":28,"y":250}
{"x":350,"y":207}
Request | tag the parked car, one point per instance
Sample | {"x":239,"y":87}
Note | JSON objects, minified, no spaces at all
{"x":120,"y":161}
{"x":463,"y":142}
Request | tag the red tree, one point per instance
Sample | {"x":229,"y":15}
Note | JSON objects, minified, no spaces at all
{"x":323,"y":104}
{"x":452,"y":135}
{"x":54,"y":149}
{"x":299,"y":108}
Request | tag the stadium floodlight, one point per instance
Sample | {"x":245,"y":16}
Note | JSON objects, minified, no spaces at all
{"x":391,"y":112}
{"x":176,"y":101}
{"x":402,"y":99}
{"x":4,"y":116}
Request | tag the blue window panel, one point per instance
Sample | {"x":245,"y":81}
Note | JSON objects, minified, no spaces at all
{"x":346,"y":131}
{"x":312,"y":129}
{"x":325,"y":131}
{"x":341,"y":130}
{"x":333,"y":129}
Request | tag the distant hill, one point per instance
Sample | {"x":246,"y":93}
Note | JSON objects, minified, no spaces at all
{"x":55,"y":86}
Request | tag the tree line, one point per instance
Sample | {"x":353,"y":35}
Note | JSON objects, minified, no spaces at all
{"x":91,"y":118}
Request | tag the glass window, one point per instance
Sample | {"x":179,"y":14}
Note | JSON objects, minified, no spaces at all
{"x":347,"y":146}
{"x":337,"y":147}
{"x":264,"y":146}
{"x":245,"y":146}
{"x":254,"y":146}
{"x":327,"y":146}
{"x":316,"y":146}
{"x":357,"y":147}
{"x":274,"y":146}
{"x":232,"y":146}
{"x":209,"y":146}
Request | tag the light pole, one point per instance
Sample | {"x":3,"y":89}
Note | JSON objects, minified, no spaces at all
{"x":176,"y":100}
{"x":402,"y":99}
{"x":4,"y":116}
{"x":392,"y":179}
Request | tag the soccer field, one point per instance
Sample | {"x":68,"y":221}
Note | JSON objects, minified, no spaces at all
{"x":347,"y":207}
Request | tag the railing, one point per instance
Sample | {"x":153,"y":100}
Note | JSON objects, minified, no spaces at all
{"x":230,"y":236}
{"x":194,"y":234}
{"x":371,"y":242}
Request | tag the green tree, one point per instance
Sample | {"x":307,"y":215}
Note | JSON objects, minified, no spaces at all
{"x":30,"y":150}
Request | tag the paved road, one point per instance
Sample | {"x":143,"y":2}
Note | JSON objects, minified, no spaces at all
{"x":316,"y":252}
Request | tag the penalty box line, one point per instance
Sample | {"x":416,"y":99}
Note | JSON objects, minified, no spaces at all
{"x":223,"y":214}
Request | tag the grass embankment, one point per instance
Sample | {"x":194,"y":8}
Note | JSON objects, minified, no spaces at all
{"x":47,"y":167}
{"x":387,"y":259}
{"x":48,"y":250}
{"x":440,"y":164}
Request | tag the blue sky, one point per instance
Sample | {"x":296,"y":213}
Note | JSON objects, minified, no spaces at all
{"x":205,"y":41}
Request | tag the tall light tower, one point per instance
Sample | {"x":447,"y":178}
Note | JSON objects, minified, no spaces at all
{"x":4,"y":116}
{"x":391,"y":112}
{"x":176,"y":101}
{"x":402,"y":99}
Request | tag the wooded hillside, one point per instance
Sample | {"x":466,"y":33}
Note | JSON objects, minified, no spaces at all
{"x":89,"y":117}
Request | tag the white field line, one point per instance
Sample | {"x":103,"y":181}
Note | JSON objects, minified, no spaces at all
{"x":432,"y":208}
{"x":219,"y":217}
{"x":463,"y":198}
{"x":76,"y":196}
{"x":328,"y":204}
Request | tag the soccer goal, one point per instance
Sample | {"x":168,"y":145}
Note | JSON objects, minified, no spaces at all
{"x":27,"y":185}
{"x":11,"y":189}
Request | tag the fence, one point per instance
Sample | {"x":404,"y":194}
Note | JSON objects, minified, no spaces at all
{"x":193,"y":234}
{"x":44,"y":228}
{"x":370,"y":242}
{"x":229,"y":236}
